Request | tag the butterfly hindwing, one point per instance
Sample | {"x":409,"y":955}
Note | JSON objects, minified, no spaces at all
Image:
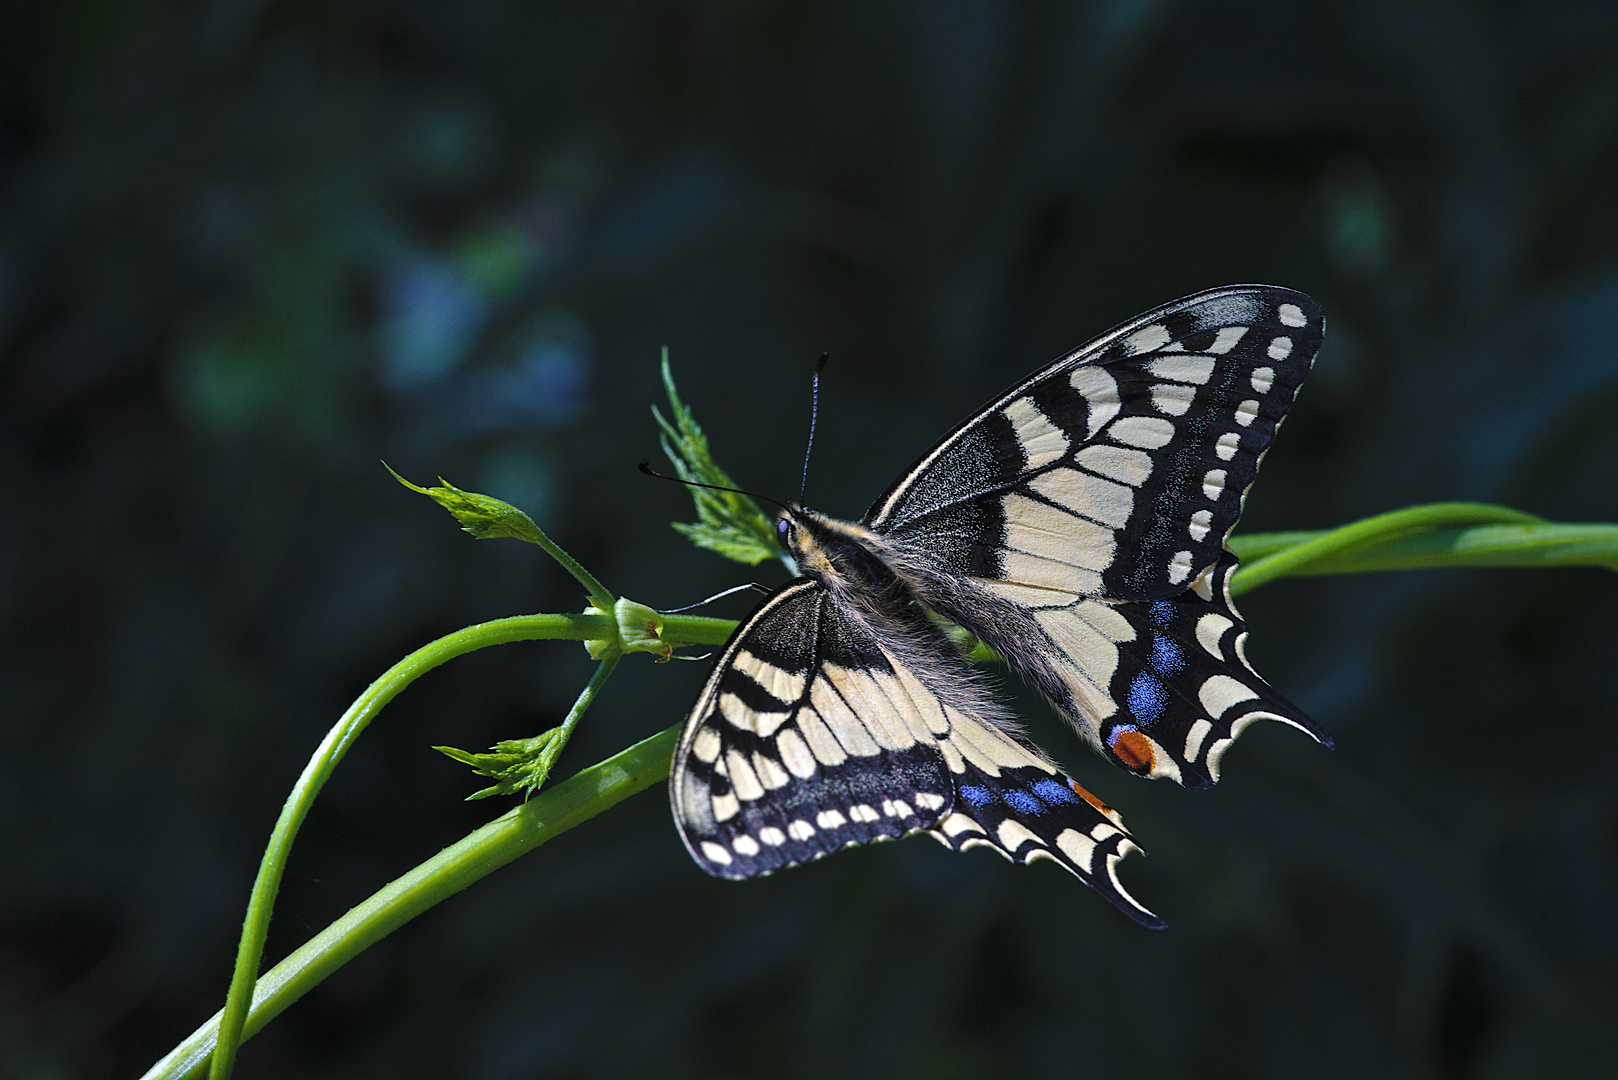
{"x":1118,"y":471}
{"x":1163,"y":687}
{"x":1013,"y":802}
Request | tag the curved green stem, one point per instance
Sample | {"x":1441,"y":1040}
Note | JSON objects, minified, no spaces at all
{"x":1438,"y":534}
{"x":256,"y":925}
{"x":512,"y":834}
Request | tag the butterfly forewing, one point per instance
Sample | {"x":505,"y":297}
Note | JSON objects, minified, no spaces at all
{"x":797,"y":747}
{"x":1077,"y":523}
{"x":1118,"y":471}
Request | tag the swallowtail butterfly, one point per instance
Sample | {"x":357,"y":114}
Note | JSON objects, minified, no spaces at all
{"x":1077,"y":525}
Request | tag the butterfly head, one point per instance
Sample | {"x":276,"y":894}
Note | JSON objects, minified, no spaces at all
{"x":831,"y":551}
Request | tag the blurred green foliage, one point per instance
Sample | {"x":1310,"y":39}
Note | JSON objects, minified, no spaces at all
{"x":248,"y":250}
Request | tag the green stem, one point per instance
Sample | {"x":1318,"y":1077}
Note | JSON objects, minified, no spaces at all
{"x":256,"y":925}
{"x":514,"y":833}
{"x":1421,"y":537}
{"x":696,"y":630}
{"x":580,"y":704}
{"x":599,"y":596}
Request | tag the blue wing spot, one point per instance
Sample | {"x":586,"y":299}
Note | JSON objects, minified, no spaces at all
{"x":1167,"y":656}
{"x":1022,"y":802}
{"x":1053,"y":792}
{"x":1161,"y":611}
{"x":1147,"y":698}
{"x":977,"y":796}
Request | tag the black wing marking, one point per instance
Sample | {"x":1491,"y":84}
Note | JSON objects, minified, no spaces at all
{"x":809,"y":737}
{"x":1118,"y":471}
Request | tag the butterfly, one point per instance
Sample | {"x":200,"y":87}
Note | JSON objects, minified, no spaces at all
{"x":1076,"y":524}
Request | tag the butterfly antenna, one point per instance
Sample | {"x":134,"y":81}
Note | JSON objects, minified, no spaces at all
{"x":716,"y":596}
{"x":646,"y":467}
{"x":814,"y":415}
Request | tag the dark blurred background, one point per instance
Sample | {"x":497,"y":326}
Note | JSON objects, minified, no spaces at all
{"x":248,"y":250}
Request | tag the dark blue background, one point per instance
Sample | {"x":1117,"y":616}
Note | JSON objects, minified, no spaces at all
{"x":250,"y":249}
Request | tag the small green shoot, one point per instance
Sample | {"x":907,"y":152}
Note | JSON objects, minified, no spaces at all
{"x":729,"y":523}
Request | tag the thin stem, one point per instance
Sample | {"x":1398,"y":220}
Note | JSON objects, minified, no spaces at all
{"x":256,"y":925}
{"x":580,"y":704}
{"x":512,"y":834}
{"x":599,"y":596}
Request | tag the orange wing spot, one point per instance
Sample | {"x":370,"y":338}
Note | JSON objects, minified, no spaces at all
{"x":1089,"y":798}
{"x":1133,"y":749}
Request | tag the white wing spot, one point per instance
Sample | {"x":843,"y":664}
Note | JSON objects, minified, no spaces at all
{"x":800,"y":830}
{"x":1220,"y":692}
{"x":1130,"y":466}
{"x":770,"y":773}
{"x":958,"y":823}
{"x":742,"y":777}
{"x":745,"y":718}
{"x":1013,"y":834}
{"x":1263,"y":378}
{"x":1173,"y":398}
{"x":1193,"y":739}
{"x":1280,"y":348}
{"x":1227,"y":339}
{"x":745,"y":845}
{"x":928,"y":801}
{"x":1210,"y":629}
{"x":824,"y":745}
{"x":1201,"y":522}
{"x":1095,"y":498}
{"x":1042,"y":442}
{"x":1076,"y":846}
{"x":1186,"y":369}
{"x":1213,"y":483}
{"x":715,"y":853}
{"x":1225,"y":448}
{"x":782,"y":684}
{"x":1145,"y":340}
{"x":1246,"y":413}
{"x":725,"y":807}
{"x":1146,"y":432}
{"x":795,"y":754}
{"x":861,"y":812}
{"x":830,"y":819}
{"x":1100,"y":390}
{"x":772,"y":836}
{"x":1292,"y":315}
{"x":706,"y":745}
{"x":1179,"y":567}
{"x":1164,"y":767}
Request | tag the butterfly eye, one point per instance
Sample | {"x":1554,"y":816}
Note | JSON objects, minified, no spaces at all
{"x":783,"y":530}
